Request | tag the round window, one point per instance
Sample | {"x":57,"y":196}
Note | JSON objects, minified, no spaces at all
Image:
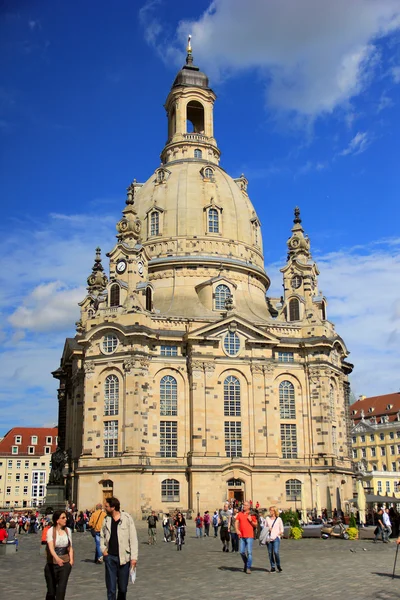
{"x":296,"y":282}
{"x":231,"y":343}
{"x":110,"y":343}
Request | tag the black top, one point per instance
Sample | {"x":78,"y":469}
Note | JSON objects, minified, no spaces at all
{"x":180,"y":523}
{"x":113,"y":543}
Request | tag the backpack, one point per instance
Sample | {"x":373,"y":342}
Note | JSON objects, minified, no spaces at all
{"x":215,"y":520}
{"x":198,"y":522}
{"x":152,"y":521}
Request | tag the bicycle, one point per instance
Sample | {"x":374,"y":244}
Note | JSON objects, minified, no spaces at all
{"x":179,"y":538}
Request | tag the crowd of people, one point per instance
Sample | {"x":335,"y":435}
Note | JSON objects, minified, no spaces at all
{"x":238,"y":525}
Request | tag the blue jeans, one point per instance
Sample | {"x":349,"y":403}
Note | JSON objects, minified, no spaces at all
{"x":116,"y":575}
{"x":199,"y":532}
{"x":97,"y":553}
{"x":246,"y":544}
{"x":273,"y":551}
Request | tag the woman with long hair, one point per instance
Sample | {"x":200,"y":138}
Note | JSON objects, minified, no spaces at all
{"x":60,"y":557}
{"x":275,"y":526}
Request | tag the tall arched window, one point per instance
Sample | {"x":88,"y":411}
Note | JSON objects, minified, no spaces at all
{"x":114,"y":295}
{"x":111,"y":395}
{"x":222,"y":292}
{"x":170,"y":490}
{"x":198,"y":153}
{"x":323,"y":311}
{"x":168,"y":396}
{"x":294,"y":310}
{"x":286,"y":400}
{"x":149,"y":298}
{"x":332,"y":401}
{"x":232,"y":397}
{"x":213,"y":221}
{"x":293,"y":490}
{"x":154,"y":223}
{"x":195,"y":117}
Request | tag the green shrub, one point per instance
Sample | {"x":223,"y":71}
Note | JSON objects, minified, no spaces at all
{"x":289,"y":517}
{"x":352,"y":532}
{"x":296,"y":533}
{"x":353,"y":522}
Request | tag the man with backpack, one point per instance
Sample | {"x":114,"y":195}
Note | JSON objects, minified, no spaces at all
{"x":215,"y":520}
{"x":152,"y":524}
{"x":199,"y":526}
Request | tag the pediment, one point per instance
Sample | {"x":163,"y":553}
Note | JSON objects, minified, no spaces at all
{"x":253,"y":334}
{"x":214,"y":280}
{"x":362,"y":427}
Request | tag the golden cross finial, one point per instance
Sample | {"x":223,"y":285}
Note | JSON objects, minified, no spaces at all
{"x":189,"y":46}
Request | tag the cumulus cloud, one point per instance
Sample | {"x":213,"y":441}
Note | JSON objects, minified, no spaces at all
{"x":314,"y":56}
{"x":358,"y":144}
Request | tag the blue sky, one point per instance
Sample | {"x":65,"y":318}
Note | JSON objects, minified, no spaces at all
{"x":307,"y":108}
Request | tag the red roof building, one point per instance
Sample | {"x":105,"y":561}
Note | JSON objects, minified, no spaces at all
{"x":383,"y":409}
{"x":29,"y":441}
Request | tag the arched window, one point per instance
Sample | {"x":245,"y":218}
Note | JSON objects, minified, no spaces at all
{"x":286,"y":400}
{"x":208,"y":173}
{"x":195,"y":117}
{"x":90,"y":313}
{"x":222,"y":292}
{"x":323,"y":311}
{"x":213,"y":221}
{"x":332,"y":401}
{"x":232,"y":397}
{"x":293,"y":490}
{"x":111,"y":395}
{"x":198,"y":153}
{"x":160,"y":176}
{"x":231,"y":343}
{"x":154,"y":223}
{"x":170,"y":490}
{"x":294,"y":310}
{"x":149,"y":298}
{"x":114,"y":295}
{"x":168,"y":396}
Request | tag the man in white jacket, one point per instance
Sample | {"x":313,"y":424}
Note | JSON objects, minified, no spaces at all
{"x":119,"y":545}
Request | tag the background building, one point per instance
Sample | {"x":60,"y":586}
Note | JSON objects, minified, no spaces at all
{"x":375,"y":438}
{"x":25,"y":457}
{"x":186,"y":384}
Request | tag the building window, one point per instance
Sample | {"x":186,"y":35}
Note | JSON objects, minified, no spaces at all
{"x":222,"y":292}
{"x":160,"y":176}
{"x":49,"y":440}
{"x":14,"y":450}
{"x":396,"y":486}
{"x":111,"y":395}
{"x":383,"y":451}
{"x":374,"y":467}
{"x":47,"y":449}
{"x":18,"y":477}
{"x":373,"y":451}
{"x":16,"y":491}
{"x":354,"y":450}
{"x":394,"y":466}
{"x":289,"y":441}
{"x":18,"y":439}
{"x":9,"y":476}
{"x":31,"y":450}
{"x":363,"y":453}
{"x":34,"y":440}
{"x":398,"y":434}
{"x":110,"y":343}
{"x":25,"y":490}
{"x":114,"y":294}
{"x":8,"y":490}
{"x":334,"y":441}
{"x":26,"y":476}
{"x":398,"y":448}
{"x":354,"y":439}
{"x":285,"y":357}
{"x":384,"y":468}
{"x":168,"y":439}
{"x":332,"y":404}
{"x":168,"y":396}
{"x":232,"y":397}
{"x":198,"y":153}
{"x":170,"y":490}
{"x":362,"y":438}
{"x":233,"y":438}
{"x":208,"y":173}
{"x":286,"y":400}
{"x":372,"y":437}
{"x":388,"y":487}
{"x":382,"y":436}
{"x":18,"y":465}
{"x":213,"y":221}
{"x":391,"y":435}
{"x":392,"y":450}
{"x":169,"y":351}
{"x":231,"y":343}
{"x":293,"y":490}
{"x":10,"y":464}
{"x":110,"y":438}
{"x":26,"y":464}
{"x":294,"y":310}
{"x":379,"y":487}
{"x":149,"y":299}
{"x":155,"y":223}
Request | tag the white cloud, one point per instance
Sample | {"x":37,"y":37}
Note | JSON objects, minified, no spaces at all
{"x":396,"y":74}
{"x":358,"y":144}
{"x":314,"y":56}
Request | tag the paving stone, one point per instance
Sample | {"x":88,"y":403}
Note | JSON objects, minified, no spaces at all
{"x":312,"y":568}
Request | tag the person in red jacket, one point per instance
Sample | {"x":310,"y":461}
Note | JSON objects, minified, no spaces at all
{"x":199,"y":525}
{"x":3,"y":532}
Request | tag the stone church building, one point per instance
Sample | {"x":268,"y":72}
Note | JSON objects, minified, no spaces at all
{"x":185,"y":383}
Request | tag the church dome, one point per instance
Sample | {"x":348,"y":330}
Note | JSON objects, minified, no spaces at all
{"x":190,"y":207}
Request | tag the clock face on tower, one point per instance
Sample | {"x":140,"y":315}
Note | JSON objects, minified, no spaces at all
{"x":121,"y":266}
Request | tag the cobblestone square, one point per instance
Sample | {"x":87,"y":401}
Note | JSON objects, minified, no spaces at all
{"x":312,"y":568}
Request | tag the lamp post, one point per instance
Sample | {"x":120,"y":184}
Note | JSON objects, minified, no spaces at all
{"x":198,"y":502}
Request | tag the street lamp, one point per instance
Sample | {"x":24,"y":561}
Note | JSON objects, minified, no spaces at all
{"x":198,"y":502}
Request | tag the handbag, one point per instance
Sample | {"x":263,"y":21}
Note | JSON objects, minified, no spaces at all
{"x":265,"y":535}
{"x":65,"y":556}
{"x":93,"y":530}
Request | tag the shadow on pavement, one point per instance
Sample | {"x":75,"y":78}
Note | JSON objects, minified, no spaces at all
{"x":386,"y":575}
{"x":240,"y":569}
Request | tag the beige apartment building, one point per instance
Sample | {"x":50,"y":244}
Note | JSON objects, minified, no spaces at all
{"x":186,"y":384}
{"x":25,"y":457}
{"x":375,"y":437}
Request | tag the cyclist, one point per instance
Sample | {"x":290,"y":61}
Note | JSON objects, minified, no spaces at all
{"x":180,"y":523}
